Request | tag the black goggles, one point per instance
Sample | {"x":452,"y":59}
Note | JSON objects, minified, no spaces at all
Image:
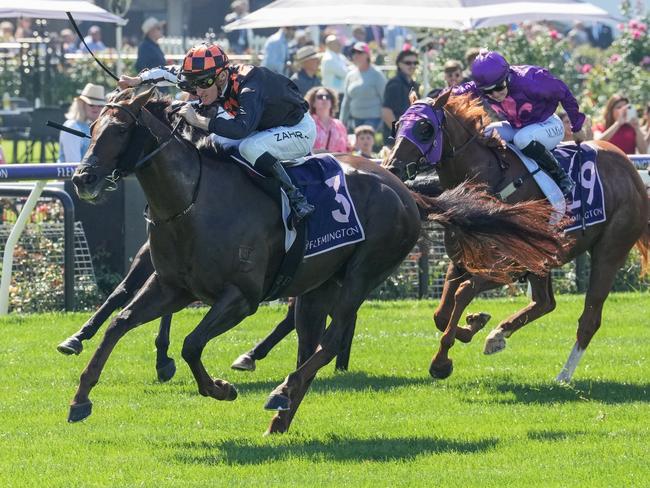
{"x":203,"y":83}
{"x":500,"y":87}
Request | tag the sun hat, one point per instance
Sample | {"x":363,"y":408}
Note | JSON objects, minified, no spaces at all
{"x":150,"y":23}
{"x":93,"y":94}
{"x":305,"y":53}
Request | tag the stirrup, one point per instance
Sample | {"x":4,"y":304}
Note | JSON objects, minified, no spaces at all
{"x":567,"y":187}
{"x":302,"y":211}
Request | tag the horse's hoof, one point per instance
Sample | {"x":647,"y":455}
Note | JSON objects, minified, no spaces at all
{"x":232,"y":393}
{"x":494,"y":342}
{"x":278,"y":426}
{"x":477,"y":321}
{"x":80,"y":411}
{"x":70,"y":346}
{"x":244,"y":363}
{"x":166,"y":372}
{"x":441,"y":371}
{"x":277,"y":402}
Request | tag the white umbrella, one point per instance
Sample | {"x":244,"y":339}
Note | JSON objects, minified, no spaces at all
{"x":56,"y":9}
{"x":446,"y":14}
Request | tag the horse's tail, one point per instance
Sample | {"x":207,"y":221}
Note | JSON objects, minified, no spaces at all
{"x":496,"y":239}
{"x":643,"y":246}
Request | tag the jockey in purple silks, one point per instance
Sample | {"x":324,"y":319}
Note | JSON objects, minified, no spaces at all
{"x":526,"y":98}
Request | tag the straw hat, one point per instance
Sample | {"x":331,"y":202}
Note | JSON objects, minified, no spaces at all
{"x":305,"y":53}
{"x":150,"y":23}
{"x":93,"y":94}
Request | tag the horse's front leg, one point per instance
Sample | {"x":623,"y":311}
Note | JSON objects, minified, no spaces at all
{"x":441,"y":365}
{"x":230,"y":308}
{"x":137,"y":276}
{"x":165,"y":366}
{"x":475,"y":321}
{"x":153,"y":300}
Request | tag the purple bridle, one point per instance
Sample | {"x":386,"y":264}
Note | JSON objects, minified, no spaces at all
{"x":415,"y":125}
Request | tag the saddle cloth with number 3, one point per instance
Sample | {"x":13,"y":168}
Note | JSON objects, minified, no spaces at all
{"x":334,"y":223}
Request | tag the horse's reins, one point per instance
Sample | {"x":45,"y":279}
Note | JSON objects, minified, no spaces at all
{"x":513,"y":185}
{"x":456,"y":151}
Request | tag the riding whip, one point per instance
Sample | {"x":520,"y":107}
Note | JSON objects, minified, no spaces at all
{"x":81,"y":37}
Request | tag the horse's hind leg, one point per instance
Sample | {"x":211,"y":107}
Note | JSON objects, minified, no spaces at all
{"x":155,"y":299}
{"x":356,"y":286}
{"x":230,"y":308}
{"x":311,"y":315}
{"x":138,"y":274}
{"x":246,"y":361}
{"x":542,"y":303}
{"x":165,"y":366}
{"x":603,"y":273}
{"x":343,"y":357}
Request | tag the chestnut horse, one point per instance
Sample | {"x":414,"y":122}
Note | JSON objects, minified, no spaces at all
{"x":218,"y":238}
{"x":452,"y":129}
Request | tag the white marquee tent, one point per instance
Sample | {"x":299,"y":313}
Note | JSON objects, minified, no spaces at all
{"x":56,"y":9}
{"x":446,"y":14}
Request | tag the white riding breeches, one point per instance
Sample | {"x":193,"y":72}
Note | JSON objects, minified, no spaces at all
{"x":281,"y":142}
{"x":549,"y":132}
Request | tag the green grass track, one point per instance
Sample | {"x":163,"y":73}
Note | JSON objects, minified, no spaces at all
{"x":497,"y":421}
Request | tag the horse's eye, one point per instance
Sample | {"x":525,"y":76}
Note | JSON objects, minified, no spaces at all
{"x":423,"y":131}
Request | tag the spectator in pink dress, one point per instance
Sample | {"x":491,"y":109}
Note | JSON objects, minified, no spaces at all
{"x":621,"y":126}
{"x":331,"y":135}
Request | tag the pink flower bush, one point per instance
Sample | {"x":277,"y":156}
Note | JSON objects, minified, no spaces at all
{"x":555,"y":35}
{"x":615,"y":58}
{"x":586,"y":68}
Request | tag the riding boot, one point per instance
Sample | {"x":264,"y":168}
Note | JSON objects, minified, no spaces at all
{"x":537,"y":151}
{"x":271,"y":166}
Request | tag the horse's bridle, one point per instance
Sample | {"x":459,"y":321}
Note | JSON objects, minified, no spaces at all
{"x":121,"y":172}
{"x":426,"y":149}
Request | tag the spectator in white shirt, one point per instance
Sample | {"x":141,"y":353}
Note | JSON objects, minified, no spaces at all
{"x":334,"y":66}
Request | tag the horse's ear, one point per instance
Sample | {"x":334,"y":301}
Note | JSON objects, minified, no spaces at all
{"x":441,"y":101}
{"x":413,"y":96}
{"x":142,"y":96}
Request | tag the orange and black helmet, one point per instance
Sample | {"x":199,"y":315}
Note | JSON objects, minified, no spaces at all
{"x":203,"y":60}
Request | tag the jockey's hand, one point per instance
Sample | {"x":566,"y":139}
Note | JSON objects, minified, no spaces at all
{"x":580,"y":136}
{"x":128,"y":82}
{"x":192,"y":118}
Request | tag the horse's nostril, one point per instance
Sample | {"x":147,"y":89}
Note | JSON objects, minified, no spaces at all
{"x":84,"y":179}
{"x":89,"y":178}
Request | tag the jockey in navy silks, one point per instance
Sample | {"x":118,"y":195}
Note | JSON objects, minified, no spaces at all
{"x":268,"y":113}
{"x":526,"y":97}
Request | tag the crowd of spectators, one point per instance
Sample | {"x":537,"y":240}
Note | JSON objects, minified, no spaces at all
{"x":347,"y":75}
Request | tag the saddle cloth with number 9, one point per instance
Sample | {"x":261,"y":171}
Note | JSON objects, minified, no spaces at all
{"x":589,"y":187}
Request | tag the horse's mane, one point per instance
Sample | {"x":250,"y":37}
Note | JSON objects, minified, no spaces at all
{"x":160,"y":107}
{"x":473,"y":115}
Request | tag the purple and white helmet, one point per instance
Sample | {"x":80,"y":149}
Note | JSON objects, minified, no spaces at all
{"x":489,"y":69}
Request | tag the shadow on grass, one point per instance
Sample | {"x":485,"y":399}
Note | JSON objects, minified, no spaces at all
{"x":332,"y":449}
{"x":349,"y":381}
{"x":553,"y":435}
{"x":608,"y":392}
